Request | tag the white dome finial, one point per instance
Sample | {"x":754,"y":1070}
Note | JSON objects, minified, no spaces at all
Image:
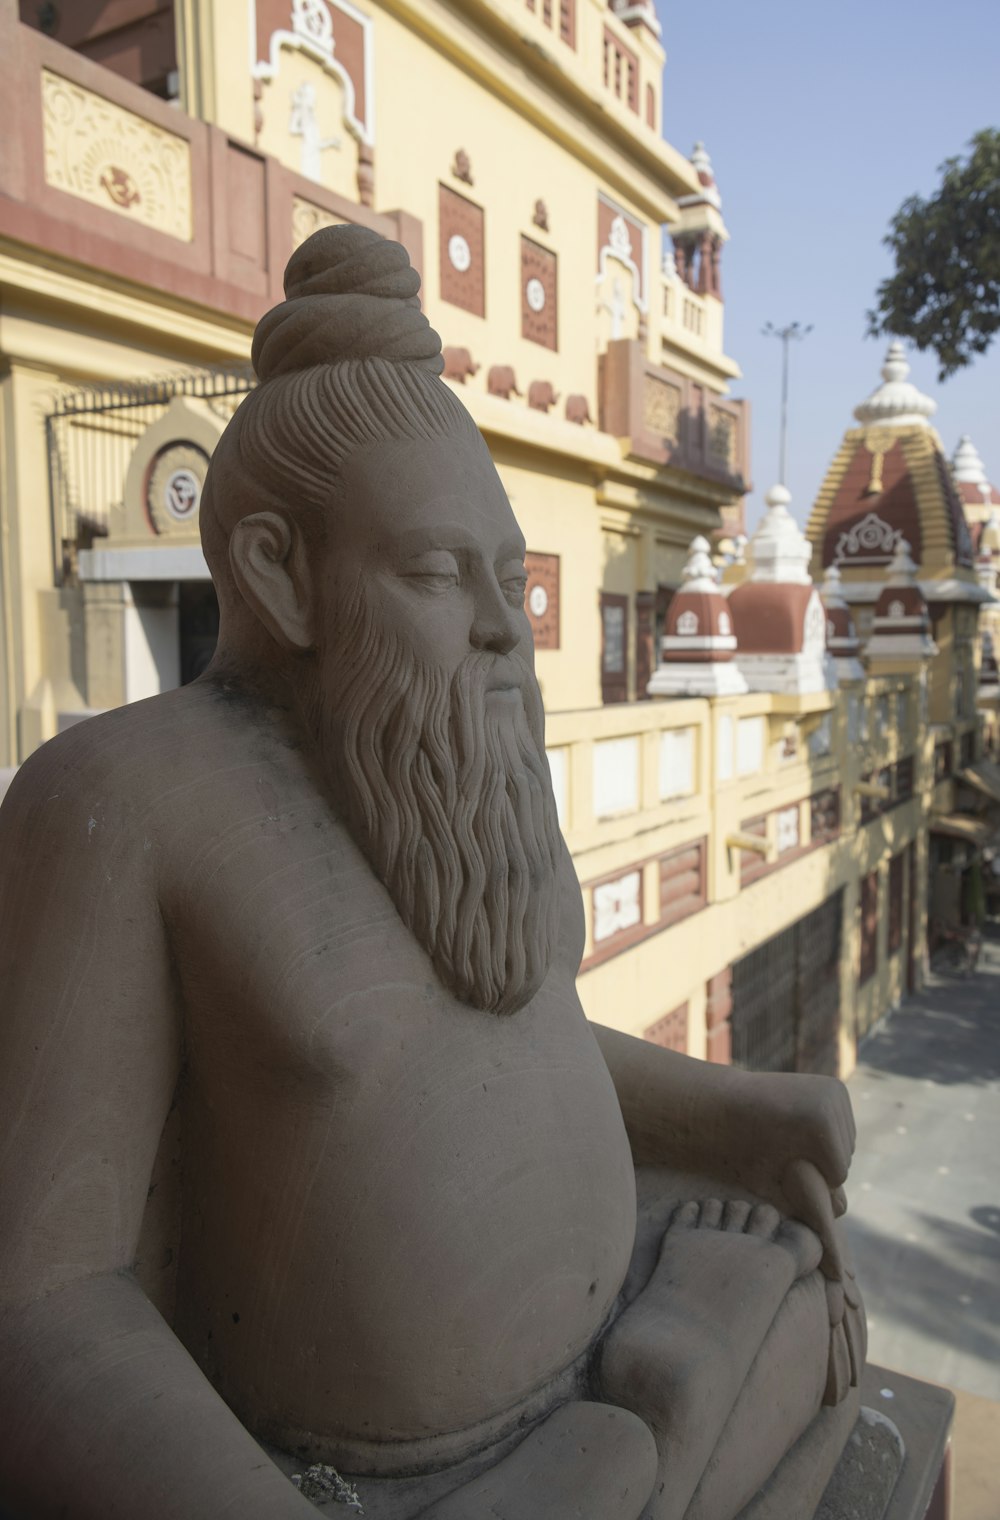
{"x":896,"y":402}
{"x":701,"y":160}
{"x":779,"y":549}
{"x":902,"y":567}
{"x":966,"y":465}
{"x":699,"y":572}
{"x":896,"y":366}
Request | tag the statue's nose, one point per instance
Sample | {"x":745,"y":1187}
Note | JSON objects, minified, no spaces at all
{"x":493,"y":626}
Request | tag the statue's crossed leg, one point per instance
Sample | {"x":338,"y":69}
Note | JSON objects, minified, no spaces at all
{"x":723,"y":1354}
{"x":722,"y":1357}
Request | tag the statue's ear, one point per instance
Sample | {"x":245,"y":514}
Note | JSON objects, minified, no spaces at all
{"x":270,"y":566}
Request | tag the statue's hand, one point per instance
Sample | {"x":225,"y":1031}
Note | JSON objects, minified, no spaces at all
{"x":809,"y":1199}
{"x":785,"y":1117}
{"x":795,"y":1135}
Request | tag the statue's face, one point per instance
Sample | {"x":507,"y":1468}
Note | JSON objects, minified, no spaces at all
{"x":429,"y":718}
{"x":427,"y":529}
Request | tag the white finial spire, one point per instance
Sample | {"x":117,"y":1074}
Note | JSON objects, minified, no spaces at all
{"x":902,"y":569}
{"x":709,"y":195}
{"x":701,"y":160}
{"x":699,"y":572}
{"x":966,"y":465}
{"x":896,"y":402}
{"x":779,"y":549}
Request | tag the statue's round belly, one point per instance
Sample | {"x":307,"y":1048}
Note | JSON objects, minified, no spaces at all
{"x":448,"y":1242}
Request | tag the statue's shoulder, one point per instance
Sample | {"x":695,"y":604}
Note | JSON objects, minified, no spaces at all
{"x":99,"y":780}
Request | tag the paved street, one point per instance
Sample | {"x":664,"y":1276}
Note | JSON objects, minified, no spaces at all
{"x":924,"y":1219}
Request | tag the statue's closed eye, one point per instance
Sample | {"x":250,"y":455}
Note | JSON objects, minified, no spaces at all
{"x":435,"y":571}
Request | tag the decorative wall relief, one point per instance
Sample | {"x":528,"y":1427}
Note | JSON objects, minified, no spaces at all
{"x":312,"y":67}
{"x":173,"y":492}
{"x":335,"y":35}
{"x":462,"y":247}
{"x":542,"y":598}
{"x":622,"y":237}
{"x":303,"y":123}
{"x":878,"y":442}
{"x":539,"y":294}
{"x":115,"y":159}
{"x":166,"y":473}
{"x":461,"y":167}
{"x":721,"y":441}
{"x":661,"y":407}
{"x":459,"y":365}
{"x":870,"y":541}
{"x":542,"y":395}
{"x":501,"y":381}
{"x":308,"y":218}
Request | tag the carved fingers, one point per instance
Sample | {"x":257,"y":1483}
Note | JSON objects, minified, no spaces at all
{"x":810,"y":1200}
{"x":838,"y":1372}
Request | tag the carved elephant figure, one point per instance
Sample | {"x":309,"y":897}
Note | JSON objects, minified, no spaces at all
{"x":541,"y":395}
{"x":459,"y":364}
{"x":501,"y":381}
{"x":578,"y":410}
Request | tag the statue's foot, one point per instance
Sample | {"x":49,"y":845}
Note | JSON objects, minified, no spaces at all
{"x":800,"y":1249}
{"x":585,"y":1462}
{"x":681,"y":1353}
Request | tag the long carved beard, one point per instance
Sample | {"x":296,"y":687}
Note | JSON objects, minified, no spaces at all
{"x":448,"y":793}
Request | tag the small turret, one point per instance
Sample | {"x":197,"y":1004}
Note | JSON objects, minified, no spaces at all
{"x":698,"y":647}
{"x":901,"y":629}
{"x":778,"y":616}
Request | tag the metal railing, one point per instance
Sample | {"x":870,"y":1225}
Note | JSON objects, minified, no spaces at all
{"x":91,"y":434}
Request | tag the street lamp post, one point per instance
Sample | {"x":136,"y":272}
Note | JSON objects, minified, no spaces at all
{"x":794,"y":330}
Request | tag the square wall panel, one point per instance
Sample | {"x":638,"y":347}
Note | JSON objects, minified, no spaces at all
{"x":462,"y":251}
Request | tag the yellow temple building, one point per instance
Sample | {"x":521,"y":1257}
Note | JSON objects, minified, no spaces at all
{"x":752,"y":775}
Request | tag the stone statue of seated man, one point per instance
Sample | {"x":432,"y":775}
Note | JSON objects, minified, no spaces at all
{"x":310,"y":1159}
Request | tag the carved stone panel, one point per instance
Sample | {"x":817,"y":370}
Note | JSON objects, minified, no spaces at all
{"x":539,"y":291}
{"x":307,"y":219}
{"x":542,"y":598}
{"x":462,"y":251}
{"x":114,"y":159}
{"x":661,"y":407}
{"x":721,"y":444}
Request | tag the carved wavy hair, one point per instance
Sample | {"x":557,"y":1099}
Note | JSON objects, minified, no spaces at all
{"x":346,"y":361}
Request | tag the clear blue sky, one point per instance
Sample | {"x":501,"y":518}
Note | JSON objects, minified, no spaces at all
{"x":820,"y":120}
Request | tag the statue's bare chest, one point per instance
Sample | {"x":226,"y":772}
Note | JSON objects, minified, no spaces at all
{"x":394,"y":1146}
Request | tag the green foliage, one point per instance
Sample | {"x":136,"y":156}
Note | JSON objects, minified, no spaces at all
{"x":945,"y":293}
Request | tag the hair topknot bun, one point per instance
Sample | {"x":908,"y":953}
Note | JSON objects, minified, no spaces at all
{"x":351,"y":294}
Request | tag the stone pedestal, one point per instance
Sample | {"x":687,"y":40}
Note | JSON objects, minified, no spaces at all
{"x":895,"y":1464}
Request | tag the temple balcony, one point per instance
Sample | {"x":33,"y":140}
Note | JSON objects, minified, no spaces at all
{"x":663,"y":417}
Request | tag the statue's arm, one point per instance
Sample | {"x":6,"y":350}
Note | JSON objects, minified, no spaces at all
{"x":788,"y":1137}
{"x":102,"y":1412}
